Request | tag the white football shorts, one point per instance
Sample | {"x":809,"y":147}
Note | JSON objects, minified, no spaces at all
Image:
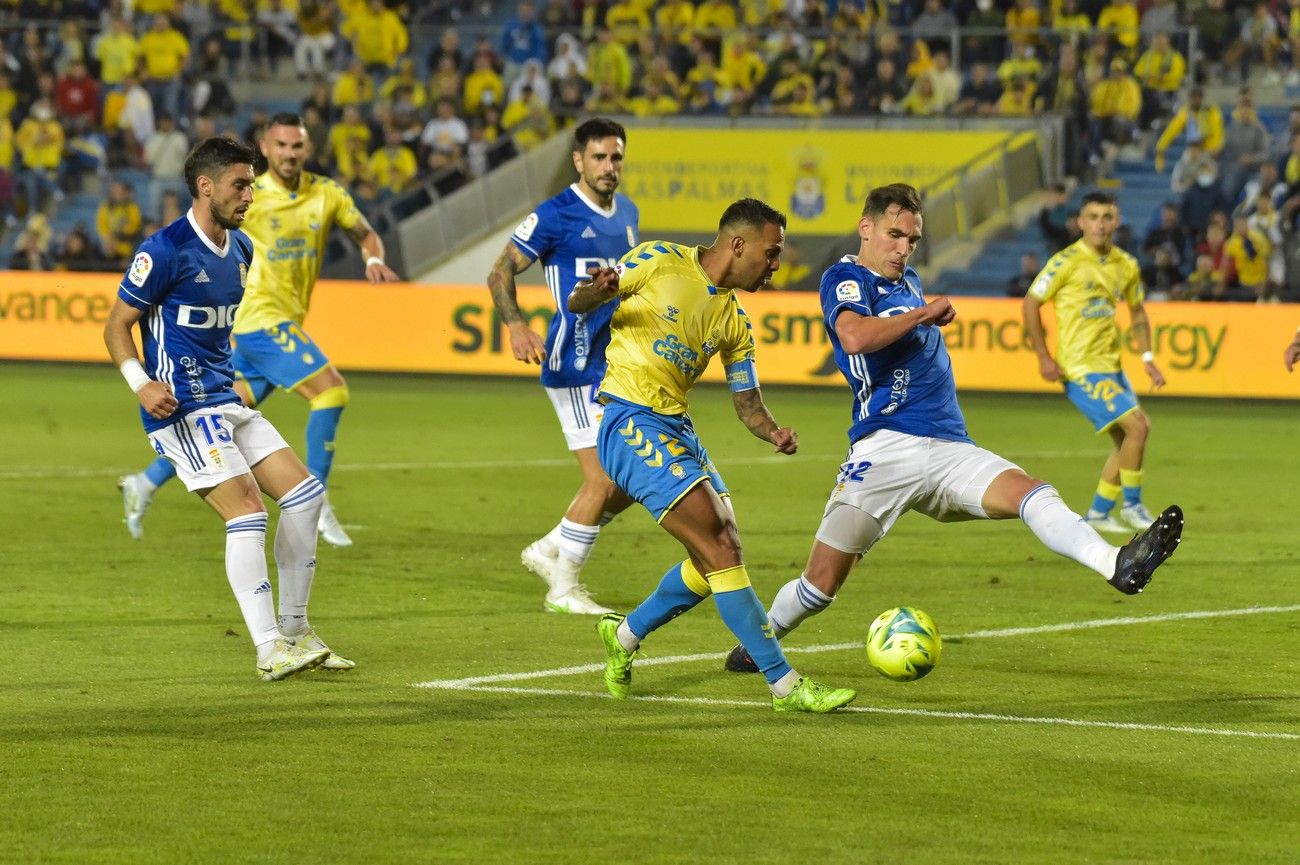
{"x":889,"y":473}
{"x":211,"y":445}
{"x":579,"y":414}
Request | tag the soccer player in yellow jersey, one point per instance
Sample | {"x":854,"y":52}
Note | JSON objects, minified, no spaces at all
{"x":289,"y":224}
{"x":1086,"y":281}
{"x":677,"y":307}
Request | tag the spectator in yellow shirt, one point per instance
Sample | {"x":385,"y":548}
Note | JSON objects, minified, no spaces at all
{"x":164,"y":51}
{"x":118,"y":222}
{"x":714,"y":19}
{"x":1120,"y":19}
{"x":743,"y":69}
{"x":1201,"y":122}
{"x":353,"y":86}
{"x":404,"y":77}
{"x":350,"y":128}
{"x":1023,"y":21}
{"x":1071,"y":23}
{"x":40,"y":143}
{"x":654,"y":101}
{"x":626,"y":19}
{"x":1017,"y":100}
{"x":1249,"y":251}
{"x":393,"y":165}
{"x":675,"y":20}
{"x":316,"y":27}
{"x":378,"y":37}
{"x":609,"y":63}
{"x":118,"y":52}
{"x":483,"y":86}
{"x":1115,"y":105}
{"x":921,"y":100}
{"x":1159,"y":71}
{"x":528,"y":120}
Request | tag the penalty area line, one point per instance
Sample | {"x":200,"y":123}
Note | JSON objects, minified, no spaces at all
{"x":881,"y":710}
{"x":1088,"y":624}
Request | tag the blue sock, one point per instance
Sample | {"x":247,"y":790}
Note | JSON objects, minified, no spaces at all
{"x":668,"y":601}
{"x":322,"y":424}
{"x":159,"y":472}
{"x":743,"y":613}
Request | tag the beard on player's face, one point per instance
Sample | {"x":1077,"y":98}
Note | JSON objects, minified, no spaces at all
{"x":235,"y":217}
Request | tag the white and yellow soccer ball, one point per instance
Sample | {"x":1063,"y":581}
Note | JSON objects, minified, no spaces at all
{"x":903,"y":644}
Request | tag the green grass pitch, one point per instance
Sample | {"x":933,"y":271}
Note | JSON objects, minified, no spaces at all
{"x":134,"y":731}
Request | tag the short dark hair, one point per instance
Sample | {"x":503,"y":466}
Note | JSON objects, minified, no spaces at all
{"x":285,"y":118}
{"x":212,"y":156}
{"x":751,"y":213}
{"x":1098,"y":196}
{"x":597,"y":127}
{"x":880,"y":199}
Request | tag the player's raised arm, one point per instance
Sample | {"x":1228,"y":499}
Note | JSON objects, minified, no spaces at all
{"x":1031,"y":313}
{"x":155,"y":396}
{"x":1141,"y":326}
{"x":372,"y":247}
{"x":754,"y":414}
{"x":524,"y":341}
{"x":599,"y":289}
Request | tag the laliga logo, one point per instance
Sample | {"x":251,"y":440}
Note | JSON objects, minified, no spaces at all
{"x":204,"y":317}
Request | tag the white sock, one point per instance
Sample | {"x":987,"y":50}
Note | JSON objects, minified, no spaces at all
{"x":295,"y":551}
{"x":628,"y":640}
{"x":246,"y":571}
{"x":149,"y":486}
{"x":549,"y":544}
{"x":784,"y":685}
{"x":1064,"y":532}
{"x":576,"y":541}
{"x":794,"y":602}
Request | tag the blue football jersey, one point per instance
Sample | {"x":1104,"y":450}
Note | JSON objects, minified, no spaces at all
{"x":906,"y":386}
{"x":189,"y":290}
{"x":569,"y":235}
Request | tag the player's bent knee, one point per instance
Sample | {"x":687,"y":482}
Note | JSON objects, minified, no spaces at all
{"x":333,"y":397}
{"x":849,"y":529}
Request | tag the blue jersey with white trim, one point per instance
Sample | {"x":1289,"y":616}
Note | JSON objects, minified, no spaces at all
{"x":569,"y":234}
{"x":906,"y":386}
{"x":189,"y":291}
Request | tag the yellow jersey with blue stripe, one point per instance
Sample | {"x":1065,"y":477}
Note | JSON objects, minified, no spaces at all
{"x":290,"y":229}
{"x":668,"y":324}
{"x":1086,"y":287}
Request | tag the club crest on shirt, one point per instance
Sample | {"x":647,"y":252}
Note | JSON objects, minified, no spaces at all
{"x":848,"y":290}
{"x":243,"y":275}
{"x":140,"y":269}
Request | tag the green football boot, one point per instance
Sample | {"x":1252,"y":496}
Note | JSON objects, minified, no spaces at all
{"x":618,"y":660}
{"x":287,"y":659}
{"x":311,"y":641}
{"x":810,"y":696}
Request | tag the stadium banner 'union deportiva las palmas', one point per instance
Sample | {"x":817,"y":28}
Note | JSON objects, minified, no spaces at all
{"x":1205,"y":349}
{"x":682,"y":180}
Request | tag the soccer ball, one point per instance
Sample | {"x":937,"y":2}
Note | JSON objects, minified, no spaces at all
{"x":903,"y":644}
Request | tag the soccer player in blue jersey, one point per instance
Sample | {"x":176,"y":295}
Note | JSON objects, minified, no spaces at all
{"x":909,"y":447}
{"x":677,"y":308}
{"x":589,"y":225}
{"x":290,"y":226}
{"x":183,"y":289}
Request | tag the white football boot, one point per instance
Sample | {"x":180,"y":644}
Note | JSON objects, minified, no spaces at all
{"x":1108,"y":524}
{"x":1136,"y":517}
{"x":575,"y":599}
{"x":136,"y":496}
{"x":310,"y":641}
{"x":535,"y":558}
{"x":329,"y":527}
{"x":287,"y":659}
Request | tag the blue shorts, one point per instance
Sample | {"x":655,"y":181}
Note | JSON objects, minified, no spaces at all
{"x":1103,"y":397}
{"x":654,"y":458}
{"x":281,"y":356}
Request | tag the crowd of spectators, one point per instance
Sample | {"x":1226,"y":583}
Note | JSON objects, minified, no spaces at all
{"x":118,"y":83}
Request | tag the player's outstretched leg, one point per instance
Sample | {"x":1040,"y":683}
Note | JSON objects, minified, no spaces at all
{"x":286,"y":659}
{"x":618,"y":657}
{"x":137,"y":493}
{"x":322,"y":427}
{"x":1139,"y":558}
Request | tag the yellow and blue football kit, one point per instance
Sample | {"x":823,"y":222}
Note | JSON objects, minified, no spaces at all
{"x":290,"y":230}
{"x":1086,"y":287}
{"x":670,"y":321}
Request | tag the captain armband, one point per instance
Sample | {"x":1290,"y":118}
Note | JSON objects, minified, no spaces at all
{"x":742,"y":376}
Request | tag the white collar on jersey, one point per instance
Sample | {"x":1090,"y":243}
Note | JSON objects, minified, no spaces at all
{"x":207,"y":241}
{"x":853,"y":259}
{"x":613,"y":204}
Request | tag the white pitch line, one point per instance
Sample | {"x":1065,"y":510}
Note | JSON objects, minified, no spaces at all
{"x":59,"y":472}
{"x":837,"y":647}
{"x":923,"y":713}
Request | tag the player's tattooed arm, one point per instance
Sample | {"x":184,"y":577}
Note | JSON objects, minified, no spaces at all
{"x":597,"y":289}
{"x":524,"y":341}
{"x":753,"y":413}
{"x":372,"y":247}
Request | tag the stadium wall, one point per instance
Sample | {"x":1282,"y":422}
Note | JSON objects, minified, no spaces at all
{"x":1205,"y":349}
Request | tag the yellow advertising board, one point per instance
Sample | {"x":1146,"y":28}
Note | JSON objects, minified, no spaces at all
{"x":683,"y":179}
{"x":1216,"y":350}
